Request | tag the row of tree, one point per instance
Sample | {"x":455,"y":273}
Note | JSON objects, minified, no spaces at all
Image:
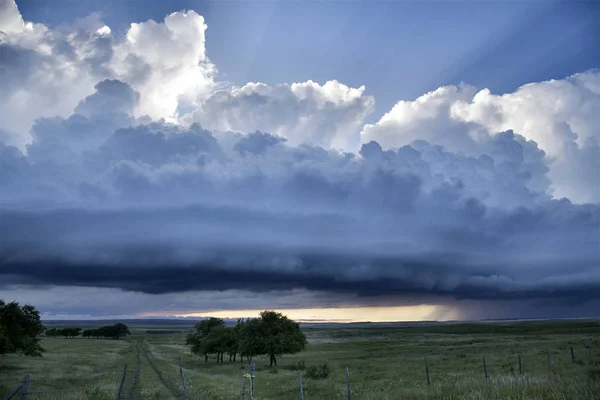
{"x":66,"y":332}
{"x":115,"y":331}
{"x":20,"y":327}
{"x":272,"y":334}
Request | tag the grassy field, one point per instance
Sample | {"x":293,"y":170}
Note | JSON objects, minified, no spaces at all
{"x":384,"y":363}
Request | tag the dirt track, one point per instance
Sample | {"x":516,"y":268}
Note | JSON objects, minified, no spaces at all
{"x":144,"y":356}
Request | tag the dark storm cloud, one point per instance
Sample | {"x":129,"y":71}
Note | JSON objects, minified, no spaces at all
{"x":104,"y":200}
{"x":420,"y":278}
{"x":165,"y":251}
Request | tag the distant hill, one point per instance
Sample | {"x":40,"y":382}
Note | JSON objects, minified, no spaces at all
{"x":129,"y":322}
{"x":189,"y":322}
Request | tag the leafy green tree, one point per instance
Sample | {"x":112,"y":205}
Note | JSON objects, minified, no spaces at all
{"x":201,"y":341}
{"x":120,"y":330}
{"x":251,"y":340}
{"x":115,"y":331}
{"x":233,"y":343}
{"x":281,"y":335}
{"x":222,"y":340}
{"x":4,"y":343}
{"x":239,"y":331}
{"x":217,"y":341}
{"x":69,"y":332}
{"x":51,"y":332}
{"x":20,"y":328}
{"x":272,"y":334}
{"x":206,"y":325}
{"x":97,"y":333}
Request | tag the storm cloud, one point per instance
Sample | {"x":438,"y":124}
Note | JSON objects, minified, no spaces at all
{"x":148,"y":187}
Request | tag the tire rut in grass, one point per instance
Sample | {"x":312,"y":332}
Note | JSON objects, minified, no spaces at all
{"x":173,"y":392}
{"x":131,"y":395}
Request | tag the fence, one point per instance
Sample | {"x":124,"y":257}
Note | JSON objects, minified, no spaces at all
{"x":23,"y":391}
{"x":426,"y":377}
{"x":485,"y":374}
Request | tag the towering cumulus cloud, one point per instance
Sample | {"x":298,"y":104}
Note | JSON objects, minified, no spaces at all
{"x":561,"y":116}
{"x":125,"y":168}
{"x":328,"y":115}
{"x":47,"y":72}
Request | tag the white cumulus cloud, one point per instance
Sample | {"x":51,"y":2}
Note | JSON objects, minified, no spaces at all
{"x":328,"y":115}
{"x":561,"y":116}
{"x":47,"y":72}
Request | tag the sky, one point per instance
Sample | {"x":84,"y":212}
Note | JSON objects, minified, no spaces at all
{"x":337,"y":160}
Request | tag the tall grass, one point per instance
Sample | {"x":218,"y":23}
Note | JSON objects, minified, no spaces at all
{"x":384,"y":363}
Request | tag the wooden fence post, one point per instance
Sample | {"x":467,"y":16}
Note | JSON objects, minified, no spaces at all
{"x":15,"y":390}
{"x":252,"y":371}
{"x":183,"y":387}
{"x":572,"y":354}
{"x":427,"y":372}
{"x":25,"y":388}
{"x":485,"y":368}
{"x":300,"y":385}
{"x":120,"y":389}
{"x":348,"y":383}
{"x":512,"y":369}
{"x":520,"y":366}
{"x":244,"y":384}
{"x":590,"y":351}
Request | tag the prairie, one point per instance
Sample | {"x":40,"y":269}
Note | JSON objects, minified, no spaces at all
{"x":384,"y":362}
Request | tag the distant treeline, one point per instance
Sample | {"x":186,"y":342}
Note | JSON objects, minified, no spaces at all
{"x":115,"y":331}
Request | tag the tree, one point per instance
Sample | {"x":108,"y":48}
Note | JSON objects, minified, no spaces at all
{"x":20,"y":327}
{"x":206,"y":325}
{"x":120,"y":330}
{"x":272,"y":334}
{"x":51,"y":332}
{"x":201,"y":341}
{"x":116,"y":331}
{"x":234,"y":342}
{"x":281,"y":335}
{"x":218,"y":341}
{"x":251,"y":341}
{"x":69,"y":332}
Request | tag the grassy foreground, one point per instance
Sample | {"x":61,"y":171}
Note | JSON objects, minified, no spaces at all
{"x":384,"y":363}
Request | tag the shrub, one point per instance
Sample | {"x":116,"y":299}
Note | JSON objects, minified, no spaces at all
{"x":300,"y":365}
{"x":593,"y":372}
{"x":317,"y":371}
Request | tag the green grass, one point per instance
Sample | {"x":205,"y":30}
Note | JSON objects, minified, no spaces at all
{"x":70,"y":369}
{"x":384,"y":363}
